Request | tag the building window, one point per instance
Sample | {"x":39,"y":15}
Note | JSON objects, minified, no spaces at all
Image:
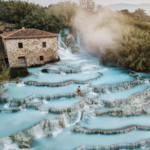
{"x":44,"y":44}
{"x":6,"y":61}
{"x":41,"y":58}
{"x":20,"y":45}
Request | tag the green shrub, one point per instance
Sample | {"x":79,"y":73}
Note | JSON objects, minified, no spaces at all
{"x":18,"y":72}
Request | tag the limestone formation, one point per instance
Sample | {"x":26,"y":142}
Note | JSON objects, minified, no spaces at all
{"x":143,"y":143}
{"x":68,"y":40}
{"x":118,"y":87}
{"x":74,"y":49}
{"x":60,"y":83}
{"x":134,"y":105}
{"x":110,"y":131}
{"x":30,"y":134}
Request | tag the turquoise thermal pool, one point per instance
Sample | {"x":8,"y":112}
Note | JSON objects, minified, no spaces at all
{"x":44,"y":111}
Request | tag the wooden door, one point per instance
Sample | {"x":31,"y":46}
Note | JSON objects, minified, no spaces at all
{"x":21,"y":61}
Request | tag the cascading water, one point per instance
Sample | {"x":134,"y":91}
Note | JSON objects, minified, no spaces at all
{"x":38,"y":132}
{"x":64,"y":52}
{"x":73,"y":41}
{"x":53,"y":126}
{"x":68,"y":122}
{"x":8,"y":144}
{"x":58,"y":108}
{"x":61,"y":44}
{"x":78,"y":38}
{"x":7,"y":105}
{"x":106,"y":89}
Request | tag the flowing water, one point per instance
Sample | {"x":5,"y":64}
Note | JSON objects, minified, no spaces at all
{"x":49,"y":102}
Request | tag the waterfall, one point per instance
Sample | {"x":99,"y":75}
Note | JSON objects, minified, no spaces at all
{"x":64,"y":52}
{"x":53,"y":127}
{"x":120,"y":87}
{"x":45,"y":101}
{"x":86,"y":107}
{"x":66,"y":120}
{"x":73,"y":40}
{"x":147,"y":81}
{"x":106,"y":90}
{"x":78,"y":38}
{"x":79,"y":117}
{"x":7,"y":144}
{"x":43,"y":110}
{"x":60,"y":42}
{"x":63,"y":73}
{"x":59,"y":39}
{"x":128,"y":85}
{"x":21,"y":84}
{"x":7,"y":105}
{"x":35,"y":99}
{"x":92,"y":92}
{"x":100,"y":105}
{"x":38,"y":132}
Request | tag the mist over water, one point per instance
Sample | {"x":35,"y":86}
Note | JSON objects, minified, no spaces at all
{"x":100,"y":30}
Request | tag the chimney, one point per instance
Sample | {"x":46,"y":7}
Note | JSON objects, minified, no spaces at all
{"x":23,"y":28}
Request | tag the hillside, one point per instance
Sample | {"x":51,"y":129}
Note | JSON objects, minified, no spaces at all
{"x":130,"y":7}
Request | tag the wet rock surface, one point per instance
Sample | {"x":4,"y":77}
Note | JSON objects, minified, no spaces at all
{"x":61,"y":83}
{"x":118,"y":87}
{"x":134,"y":105}
{"x":23,"y":103}
{"x":143,"y":143}
{"x":110,"y":131}
{"x":30,"y":134}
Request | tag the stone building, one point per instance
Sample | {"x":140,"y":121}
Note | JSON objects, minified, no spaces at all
{"x":27,"y":47}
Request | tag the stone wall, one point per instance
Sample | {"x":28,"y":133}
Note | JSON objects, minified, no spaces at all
{"x":32,"y":50}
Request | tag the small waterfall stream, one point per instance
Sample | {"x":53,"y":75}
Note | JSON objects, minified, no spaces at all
{"x":78,"y":38}
{"x":64,"y":52}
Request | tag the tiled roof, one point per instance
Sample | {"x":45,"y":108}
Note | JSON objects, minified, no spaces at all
{"x":27,"y":33}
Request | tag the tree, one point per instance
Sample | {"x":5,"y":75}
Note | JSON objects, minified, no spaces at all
{"x":41,"y":20}
{"x":125,"y":12}
{"x":14,"y":11}
{"x":99,"y":7}
{"x":139,"y":14}
{"x":88,"y":5}
{"x":65,"y":12}
{"x":51,"y":18}
{"x":4,"y":75}
{"x":132,"y":50}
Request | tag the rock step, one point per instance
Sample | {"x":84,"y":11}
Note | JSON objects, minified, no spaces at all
{"x":134,"y":105}
{"x":79,"y":105}
{"x":143,"y":143}
{"x":61,"y":70}
{"x":110,"y":131}
{"x":23,"y":103}
{"x":117,"y":87}
{"x":61,"y":83}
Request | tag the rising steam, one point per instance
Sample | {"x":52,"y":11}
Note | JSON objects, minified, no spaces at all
{"x":100,"y":30}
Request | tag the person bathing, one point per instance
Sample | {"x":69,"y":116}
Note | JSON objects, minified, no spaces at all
{"x":79,"y":90}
